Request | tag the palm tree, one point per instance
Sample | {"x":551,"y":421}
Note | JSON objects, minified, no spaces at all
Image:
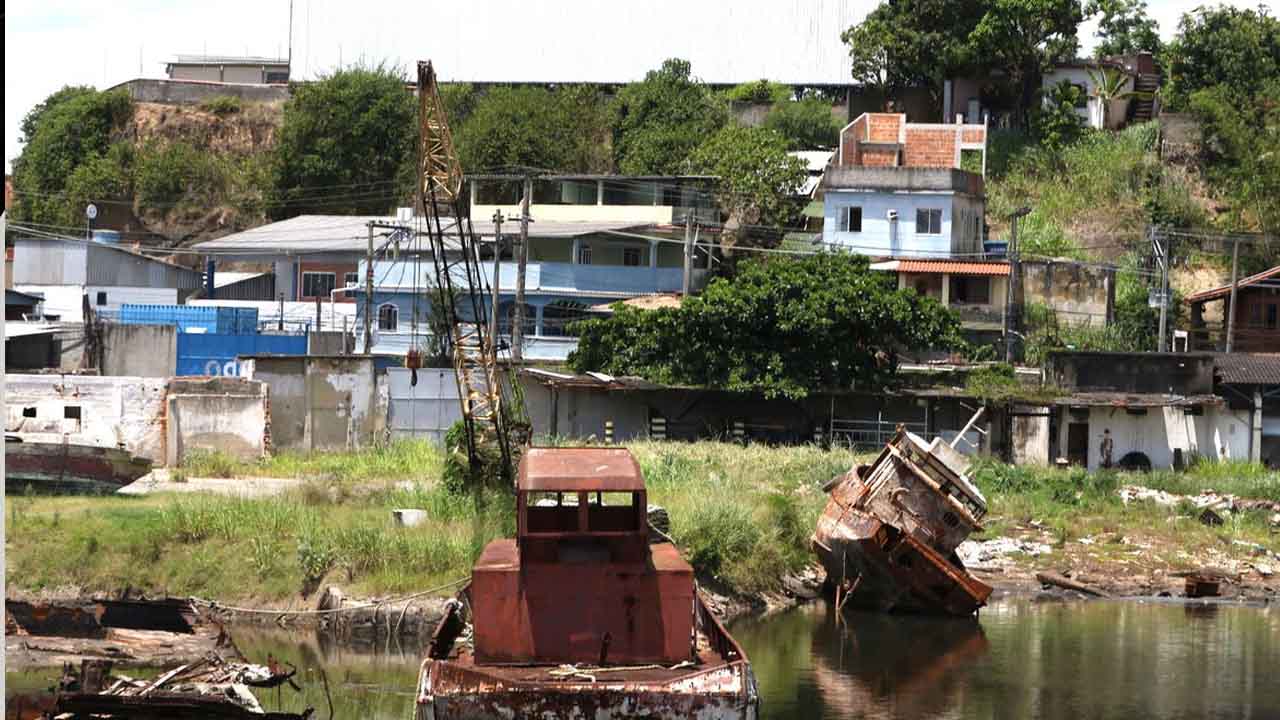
{"x":1108,"y":86}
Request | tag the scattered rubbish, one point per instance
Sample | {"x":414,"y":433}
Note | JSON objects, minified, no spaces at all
{"x":140,"y":632}
{"x":1218,"y":502}
{"x":212,"y":688}
{"x":1066,"y":583}
{"x":981,"y":552}
{"x":1210,"y":518}
{"x":406,"y":517}
{"x":581,"y":615}
{"x":65,"y":467}
{"x":889,"y":533}
{"x":1199,"y":586}
{"x":1263,"y":570}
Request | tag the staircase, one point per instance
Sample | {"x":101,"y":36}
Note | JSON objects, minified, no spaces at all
{"x":1143,"y":107}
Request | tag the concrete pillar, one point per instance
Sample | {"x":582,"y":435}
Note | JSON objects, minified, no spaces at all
{"x":473,"y":185}
{"x":573,"y":253}
{"x":599,"y":192}
{"x":537,"y":324}
{"x":653,"y":253}
{"x":946,"y":289}
{"x":1255,"y":438}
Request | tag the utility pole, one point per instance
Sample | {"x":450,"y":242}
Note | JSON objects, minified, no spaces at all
{"x":1012,"y":282}
{"x":1162,"y":256}
{"x":1235,"y":281}
{"x":368,"y":295}
{"x":688,"y":253}
{"x":517,"y":327}
{"x":497,"y":258}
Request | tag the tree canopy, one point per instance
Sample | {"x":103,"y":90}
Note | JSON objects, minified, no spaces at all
{"x":72,"y":128}
{"x":353,"y":134}
{"x":1124,"y":27}
{"x":807,"y":124}
{"x":1238,"y":49}
{"x":657,"y":122}
{"x":757,"y":177}
{"x":1023,"y":37}
{"x":781,"y":326}
{"x":565,"y":129}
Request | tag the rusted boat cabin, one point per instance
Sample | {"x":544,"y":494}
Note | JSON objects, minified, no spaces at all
{"x":580,"y":615}
{"x":888,"y":535}
{"x":580,"y":582}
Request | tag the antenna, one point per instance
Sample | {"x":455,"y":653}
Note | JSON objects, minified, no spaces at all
{"x":290,"y":38}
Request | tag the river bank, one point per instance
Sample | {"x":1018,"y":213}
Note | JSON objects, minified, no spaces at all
{"x":742,"y":515}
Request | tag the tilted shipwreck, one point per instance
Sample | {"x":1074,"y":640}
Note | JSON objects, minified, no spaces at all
{"x":581,"y":615}
{"x":888,"y":535}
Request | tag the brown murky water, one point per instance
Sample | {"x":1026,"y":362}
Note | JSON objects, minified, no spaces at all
{"x":1021,"y":659}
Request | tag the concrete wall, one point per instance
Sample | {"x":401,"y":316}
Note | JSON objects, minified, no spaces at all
{"x":1078,"y":294}
{"x":1171,"y":373}
{"x":320,"y":402}
{"x":878,"y":235}
{"x":1030,"y":435}
{"x":113,"y":411}
{"x":1219,"y":434}
{"x":232,"y":424}
{"x":139,"y":350}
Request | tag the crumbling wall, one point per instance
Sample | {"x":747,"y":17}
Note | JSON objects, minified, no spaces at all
{"x":226,"y":423}
{"x":321,"y":402}
{"x":1030,"y":435}
{"x":1078,"y":294}
{"x":139,"y":350}
{"x":123,"y":412}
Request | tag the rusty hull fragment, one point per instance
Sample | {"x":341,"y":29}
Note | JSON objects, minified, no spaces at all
{"x":888,"y":535}
{"x":68,"y":468}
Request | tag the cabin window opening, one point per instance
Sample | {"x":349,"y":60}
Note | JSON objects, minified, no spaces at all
{"x":613,"y":512}
{"x":71,"y":412}
{"x":905,"y":560}
{"x":547,"y":512}
{"x":28,"y":412}
{"x":950,"y":519}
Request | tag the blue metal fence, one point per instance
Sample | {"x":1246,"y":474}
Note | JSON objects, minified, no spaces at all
{"x":193,"y":318}
{"x":215,"y":353}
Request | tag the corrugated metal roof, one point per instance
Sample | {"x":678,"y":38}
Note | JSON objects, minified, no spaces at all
{"x":349,"y":233}
{"x":950,"y":267}
{"x":1225,"y":290}
{"x":227,"y":60}
{"x":1248,"y":368}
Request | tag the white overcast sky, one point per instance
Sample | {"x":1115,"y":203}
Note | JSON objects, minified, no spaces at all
{"x":52,"y":43}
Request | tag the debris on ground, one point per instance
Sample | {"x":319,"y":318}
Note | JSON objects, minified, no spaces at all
{"x":977,"y":553}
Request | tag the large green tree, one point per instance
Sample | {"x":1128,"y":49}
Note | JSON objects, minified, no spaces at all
{"x":347,"y":144}
{"x":757,"y":178}
{"x":807,"y":124}
{"x":1241,"y":140}
{"x":1235,"y":48}
{"x":658,"y":121}
{"x":565,"y":130}
{"x":1124,"y":27}
{"x":72,"y":128}
{"x":1023,"y":38}
{"x":781,"y":326}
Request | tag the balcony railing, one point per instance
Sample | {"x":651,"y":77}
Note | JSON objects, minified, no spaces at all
{"x":973,"y":314}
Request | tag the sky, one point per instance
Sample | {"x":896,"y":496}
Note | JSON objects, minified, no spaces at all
{"x":52,"y":43}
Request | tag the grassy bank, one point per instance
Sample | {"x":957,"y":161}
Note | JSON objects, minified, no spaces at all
{"x":742,"y":515}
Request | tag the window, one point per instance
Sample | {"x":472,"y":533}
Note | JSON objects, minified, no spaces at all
{"x":850,"y":219}
{"x":102,"y":298}
{"x":584,"y":254}
{"x":1271,"y":315}
{"x":351,"y":279}
{"x":631,"y":256}
{"x":1082,"y":98}
{"x":388,"y":317}
{"x":971,"y":290}
{"x":317,"y":284}
{"x":929,"y":221}
{"x":71,"y":412}
{"x":28,"y":412}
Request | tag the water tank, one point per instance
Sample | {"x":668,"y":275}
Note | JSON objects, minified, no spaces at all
{"x":107,"y":237}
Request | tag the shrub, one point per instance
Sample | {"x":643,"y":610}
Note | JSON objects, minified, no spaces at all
{"x":222,"y":105}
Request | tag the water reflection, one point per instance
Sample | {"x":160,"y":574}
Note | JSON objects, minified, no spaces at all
{"x":1062,"y":661}
{"x":1023,"y":659}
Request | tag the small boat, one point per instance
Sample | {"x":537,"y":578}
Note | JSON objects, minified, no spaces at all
{"x":65,"y":467}
{"x":888,"y":535}
{"x":581,"y":615}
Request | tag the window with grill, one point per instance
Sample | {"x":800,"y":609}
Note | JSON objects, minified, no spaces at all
{"x":351,"y":279}
{"x":584,"y":255}
{"x":631,"y":256}
{"x":850,"y":219}
{"x":317,"y":284}
{"x":388,"y":317}
{"x":929,"y":221}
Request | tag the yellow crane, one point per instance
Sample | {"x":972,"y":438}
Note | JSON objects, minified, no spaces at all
{"x":455,"y":253}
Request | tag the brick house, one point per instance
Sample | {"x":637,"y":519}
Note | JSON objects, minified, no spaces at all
{"x":898,"y":189}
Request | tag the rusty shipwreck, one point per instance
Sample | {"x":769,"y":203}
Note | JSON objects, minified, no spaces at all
{"x":888,"y":535}
{"x":581,"y":615}
{"x":65,"y":467}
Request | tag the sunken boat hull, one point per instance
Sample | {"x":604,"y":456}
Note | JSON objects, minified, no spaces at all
{"x":719,"y":684}
{"x":888,"y":534}
{"x":69,"y":468}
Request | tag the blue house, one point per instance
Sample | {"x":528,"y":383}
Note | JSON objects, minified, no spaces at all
{"x":897,"y":189}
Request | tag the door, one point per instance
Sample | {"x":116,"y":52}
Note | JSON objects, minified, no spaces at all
{"x":1078,"y":443}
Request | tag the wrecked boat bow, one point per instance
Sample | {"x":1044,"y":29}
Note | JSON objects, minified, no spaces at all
{"x":888,"y":535}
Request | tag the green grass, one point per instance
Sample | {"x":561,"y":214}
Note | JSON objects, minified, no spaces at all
{"x":742,"y":515}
